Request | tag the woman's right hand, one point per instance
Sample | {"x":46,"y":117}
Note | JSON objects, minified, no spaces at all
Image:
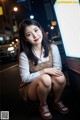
{"x":52,"y":71}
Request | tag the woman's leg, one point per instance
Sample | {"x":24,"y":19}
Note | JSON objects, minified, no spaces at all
{"x":58,"y":86}
{"x":40,"y":88}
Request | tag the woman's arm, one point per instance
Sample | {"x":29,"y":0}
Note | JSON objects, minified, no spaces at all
{"x":56,"y":57}
{"x":56,"y":60}
{"x":51,"y":71}
{"x":25,"y":74}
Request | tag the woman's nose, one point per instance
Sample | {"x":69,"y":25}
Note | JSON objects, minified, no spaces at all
{"x":34,"y":35}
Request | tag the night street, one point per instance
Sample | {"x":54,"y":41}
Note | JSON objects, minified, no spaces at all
{"x":18,"y":110}
{"x":60,"y":20}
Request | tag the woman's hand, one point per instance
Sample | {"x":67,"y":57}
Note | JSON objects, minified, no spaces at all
{"x":52,"y":71}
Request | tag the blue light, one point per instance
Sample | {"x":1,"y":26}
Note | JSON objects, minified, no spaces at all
{"x":32,"y":16}
{"x":1,"y":38}
{"x":21,"y":0}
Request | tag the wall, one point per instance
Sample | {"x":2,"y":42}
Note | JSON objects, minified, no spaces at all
{"x":74,"y":74}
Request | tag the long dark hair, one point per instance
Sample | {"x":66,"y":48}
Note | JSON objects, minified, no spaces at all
{"x":26,"y":46}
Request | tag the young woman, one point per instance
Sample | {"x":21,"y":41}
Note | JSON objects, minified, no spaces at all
{"x":40,"y":68}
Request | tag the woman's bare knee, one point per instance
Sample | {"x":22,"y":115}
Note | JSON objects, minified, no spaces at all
{"x":46,"y":80}
{"x":42,"y":81}
{"x":60,"y":80}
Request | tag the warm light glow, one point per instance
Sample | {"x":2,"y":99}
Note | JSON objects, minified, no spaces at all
{"x":15,"y":8}
{"x":53,"y":23}
{"x":16,"y":40}
{"x":12,"y":42}
{"x":1,"y":11}
{"x":2,"y":0}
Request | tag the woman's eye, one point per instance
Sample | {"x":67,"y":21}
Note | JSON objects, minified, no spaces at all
{"x":28,"y":35}
{"x":36,"y":30}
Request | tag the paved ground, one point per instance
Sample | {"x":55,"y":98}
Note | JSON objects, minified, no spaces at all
{"x":11,"y":100}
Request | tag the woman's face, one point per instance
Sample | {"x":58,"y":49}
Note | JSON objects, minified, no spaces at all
{"x":33,"y":34}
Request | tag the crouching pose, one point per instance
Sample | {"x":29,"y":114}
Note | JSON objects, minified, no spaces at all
{"x":40,"y":68}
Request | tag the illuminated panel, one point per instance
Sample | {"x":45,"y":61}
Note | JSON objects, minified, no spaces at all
{"x":21,"y":0}
{"x":68,"y":17}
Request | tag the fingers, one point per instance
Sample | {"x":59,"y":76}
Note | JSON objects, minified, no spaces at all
{"x":57,"y":72}
{"x":54,"y":71}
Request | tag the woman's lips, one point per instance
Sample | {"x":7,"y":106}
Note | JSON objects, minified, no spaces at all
{"x":36,"y":39}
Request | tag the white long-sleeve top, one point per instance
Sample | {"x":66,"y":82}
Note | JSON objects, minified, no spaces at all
{"x":25,"y":74}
